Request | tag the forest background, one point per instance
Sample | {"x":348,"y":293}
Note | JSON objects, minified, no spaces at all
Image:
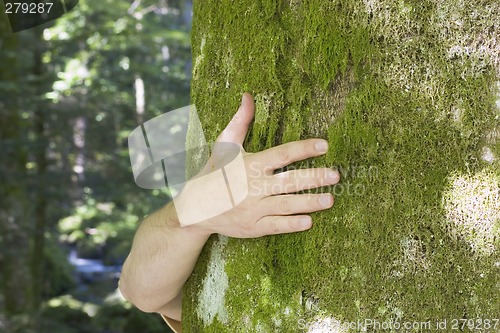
{"x":71,"y":90}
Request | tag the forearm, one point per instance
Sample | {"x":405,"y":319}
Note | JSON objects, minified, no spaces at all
{"x":162,"y":257}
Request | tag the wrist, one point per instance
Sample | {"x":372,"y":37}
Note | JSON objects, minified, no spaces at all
{"x":172,"y":222}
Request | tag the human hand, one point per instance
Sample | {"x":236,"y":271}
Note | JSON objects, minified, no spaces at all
{"x":268,"y":206}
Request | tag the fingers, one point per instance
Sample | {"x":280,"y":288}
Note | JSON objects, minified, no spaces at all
{"x":294,"y":181}
{"x":296,"y":203}
{"x":272,"y":225}
{"x":282,"y":155}
{"x":237,"y":128}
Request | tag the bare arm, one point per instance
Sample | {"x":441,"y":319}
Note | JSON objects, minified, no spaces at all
{"x":162,"y":257}
{"x":163,"y":254}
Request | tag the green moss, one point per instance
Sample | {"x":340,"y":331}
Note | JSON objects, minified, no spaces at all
{"x":405,"y":93}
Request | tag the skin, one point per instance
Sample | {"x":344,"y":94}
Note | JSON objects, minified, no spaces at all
{"x":164,"y":254}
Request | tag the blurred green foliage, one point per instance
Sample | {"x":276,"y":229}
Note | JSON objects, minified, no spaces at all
{"x":68,"y":100}
{"x":69,"y":315}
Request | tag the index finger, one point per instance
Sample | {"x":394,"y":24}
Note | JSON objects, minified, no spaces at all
{"x":282,"y":155}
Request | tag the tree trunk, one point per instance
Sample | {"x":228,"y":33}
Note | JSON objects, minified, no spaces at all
{"x":40,"y":205}
{"x":14,"y":206}
{"x":404,"y":91}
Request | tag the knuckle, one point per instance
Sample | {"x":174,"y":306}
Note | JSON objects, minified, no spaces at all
{"x":255,"y":188}
{"x":274,"y":226}
{"x":308,"y":148}
{"x":267,"y":169}
{"x":247,"y":229}
{"x":285,"y":206}
{"x":237,"y":119}
{"x":284,"y":153}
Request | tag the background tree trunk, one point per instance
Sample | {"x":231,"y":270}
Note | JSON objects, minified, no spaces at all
{"x":14,"y":206}
{"x":40,"y":205}
{"x":405,"y":93}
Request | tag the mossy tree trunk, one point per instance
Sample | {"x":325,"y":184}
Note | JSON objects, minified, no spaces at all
{"x":406,"y":92}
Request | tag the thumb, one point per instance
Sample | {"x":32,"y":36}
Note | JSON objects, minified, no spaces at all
{"x":236,"y":130}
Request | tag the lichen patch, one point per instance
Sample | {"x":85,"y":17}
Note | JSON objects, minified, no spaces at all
{"x":214,"y":286}
{"x":472,"y":205}
{"x":412,"y":258}
{"x":199,"y":58}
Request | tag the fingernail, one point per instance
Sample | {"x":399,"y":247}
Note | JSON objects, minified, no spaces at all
{"x":333,"y":176}
{"x":321,"y":146}
{"x":325,"y":200}
{"x":305,"y":222}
